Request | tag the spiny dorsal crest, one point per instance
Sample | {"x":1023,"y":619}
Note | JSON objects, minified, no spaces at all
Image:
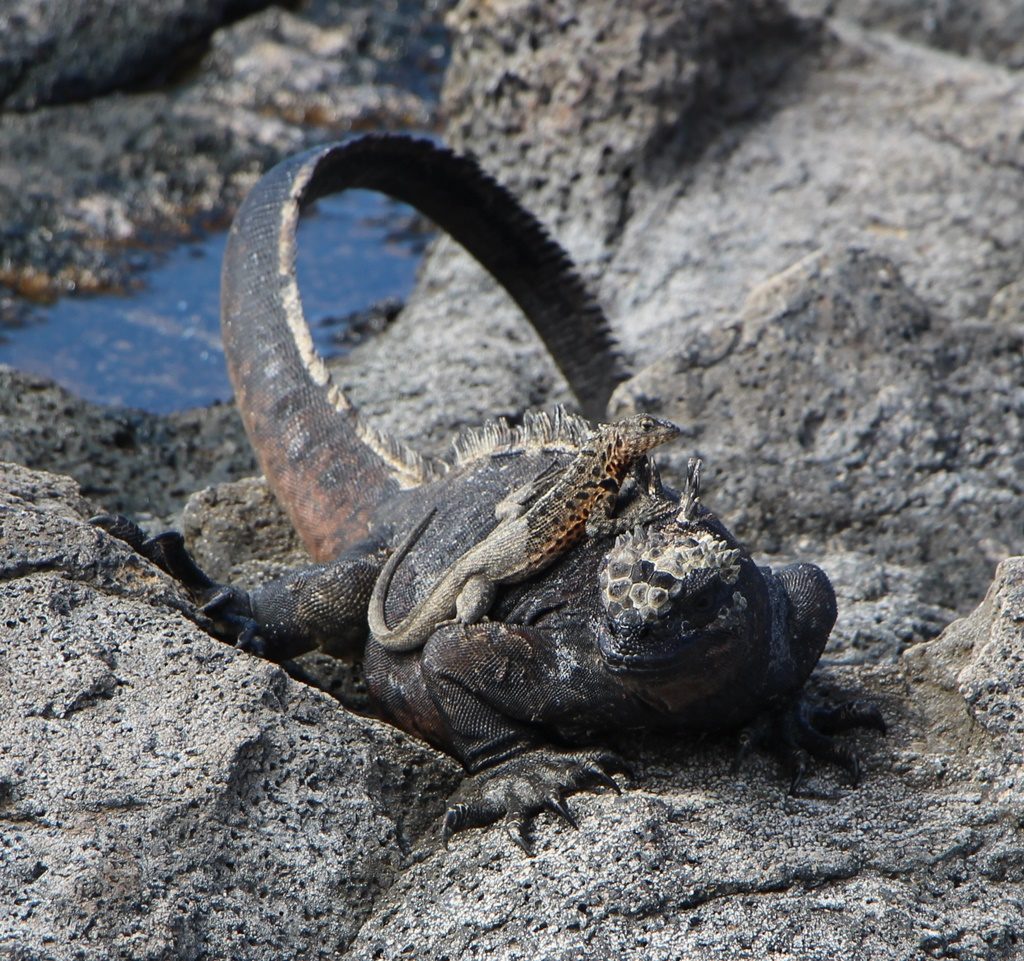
{"x":689,"y":503}
{"x":540,"y":430}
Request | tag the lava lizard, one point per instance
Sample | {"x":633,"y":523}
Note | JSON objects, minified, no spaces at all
{"x":527,"y":539}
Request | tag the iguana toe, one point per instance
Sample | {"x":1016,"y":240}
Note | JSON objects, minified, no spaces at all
{"x":800,"y":734}
{"x":840,"y":718}
{"x":167,"y":550}
{"x":121,"y":527}
{"x":519,"y":789}
{"x":559,"y":806}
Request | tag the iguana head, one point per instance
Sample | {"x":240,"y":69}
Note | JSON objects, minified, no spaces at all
{"x":667,"y":592}
{"x":693,"y":627}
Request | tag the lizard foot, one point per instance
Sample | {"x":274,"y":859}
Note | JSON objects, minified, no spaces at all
{"x":801,"y":732}
{"x":525,"y":785}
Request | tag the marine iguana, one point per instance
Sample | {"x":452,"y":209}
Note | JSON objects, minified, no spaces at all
{"x":527,"y":539}
{"x":669,"y":626}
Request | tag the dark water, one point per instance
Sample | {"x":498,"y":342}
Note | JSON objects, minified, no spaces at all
{"x":159,"y":348}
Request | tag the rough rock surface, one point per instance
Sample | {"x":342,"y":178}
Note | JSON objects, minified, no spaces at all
{"x":903,"y":430}
{"x":161,"y":795}
{"x":986,"y":29}
{"x":810,"y":240}
{"x":127,"y":461}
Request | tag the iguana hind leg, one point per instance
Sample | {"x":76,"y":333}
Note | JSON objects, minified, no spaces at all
{"x":321,"y":606}
{"x":493,"y":685}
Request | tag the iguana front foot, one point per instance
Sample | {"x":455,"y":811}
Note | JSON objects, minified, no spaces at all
{"x":228,"y":608}
{"x":167,"y":550}
{"x":525,"y":785}
{"x":800,"y":732}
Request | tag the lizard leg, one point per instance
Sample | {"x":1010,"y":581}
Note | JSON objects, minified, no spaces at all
{"x":494,"y":684}
{"x":516,"y":503}
{"x":475,"y":600}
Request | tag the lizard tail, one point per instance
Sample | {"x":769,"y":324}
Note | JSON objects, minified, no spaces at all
{"x":326,"y":465}
{"x":375,"y":613}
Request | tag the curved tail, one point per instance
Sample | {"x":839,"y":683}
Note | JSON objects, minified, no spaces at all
{"x":326,"y":465}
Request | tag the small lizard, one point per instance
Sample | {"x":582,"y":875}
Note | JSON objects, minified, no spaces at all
{"x":527,"y":539}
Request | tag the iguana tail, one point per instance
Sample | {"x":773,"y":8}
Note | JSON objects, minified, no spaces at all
{"x":326,"y":465}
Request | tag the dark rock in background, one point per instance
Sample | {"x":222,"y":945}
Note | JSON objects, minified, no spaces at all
{"x":810,"y":239}
{"x":127,"y":461}
{"x":62,"y":53}
{"x":86,"y":187}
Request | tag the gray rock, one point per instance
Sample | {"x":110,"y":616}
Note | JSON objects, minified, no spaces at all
{"x":882,"y":607}
{"x":987,"y":29}
{"x":163,"y":795}
{"x":575,"y":143}
{"x":869,"y":143}
{"x":899,"y":430}
{"x":977,"y":661}
{"x":772,"y":198}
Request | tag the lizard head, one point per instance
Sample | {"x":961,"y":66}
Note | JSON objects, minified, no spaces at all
{"x":643,"y":432}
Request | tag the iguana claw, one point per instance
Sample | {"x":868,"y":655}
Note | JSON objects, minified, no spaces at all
{"x":799,"y":734}
{"x":559,"y":806}
{"x":229,"y":607}
{"x":167,"y":550}
{"x":522,"y":787}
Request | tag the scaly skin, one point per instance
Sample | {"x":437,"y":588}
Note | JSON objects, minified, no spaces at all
{"x":328,"y":467}
{"x":526,"y":543}
{"x":669,"y":626}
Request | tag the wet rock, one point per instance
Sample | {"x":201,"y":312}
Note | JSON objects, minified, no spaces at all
{"x":84,"y":186}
